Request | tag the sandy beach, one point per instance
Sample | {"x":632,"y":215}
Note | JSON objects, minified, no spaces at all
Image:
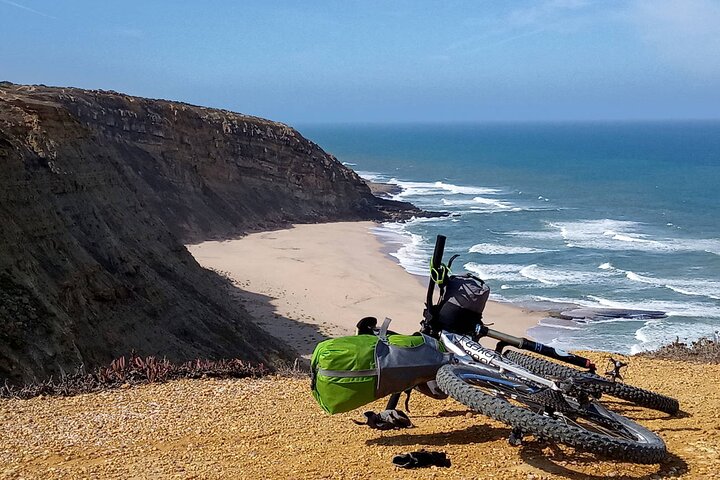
{"x":315,"y":281}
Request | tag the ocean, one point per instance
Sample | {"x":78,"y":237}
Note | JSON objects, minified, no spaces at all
{"x":562,"y":217}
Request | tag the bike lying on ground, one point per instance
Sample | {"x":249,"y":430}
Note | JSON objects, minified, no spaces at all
{"x":483,"y":380}
{"x":533,"y":395}
{"x":349,"y":372}
{"x":611,"y":384}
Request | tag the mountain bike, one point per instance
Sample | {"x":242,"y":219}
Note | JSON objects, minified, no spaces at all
{"x":561,"y":408}
{"x":611,"y":383}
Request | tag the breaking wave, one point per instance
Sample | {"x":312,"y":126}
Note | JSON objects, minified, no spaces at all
{"x":411,"y":189}
{"x":495,"y":249}
{"x":617,"y":235}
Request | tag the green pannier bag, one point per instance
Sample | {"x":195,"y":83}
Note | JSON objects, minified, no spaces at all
{"x":349,"y":372}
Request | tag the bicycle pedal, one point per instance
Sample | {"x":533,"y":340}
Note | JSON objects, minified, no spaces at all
{"x":515,"y":438}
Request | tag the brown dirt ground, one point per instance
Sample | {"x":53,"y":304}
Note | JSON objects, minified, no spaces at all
{"x":272,"y":428}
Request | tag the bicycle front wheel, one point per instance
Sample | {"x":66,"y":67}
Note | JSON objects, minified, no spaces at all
{"x":596,"y":384}
{"x":588,"y":427}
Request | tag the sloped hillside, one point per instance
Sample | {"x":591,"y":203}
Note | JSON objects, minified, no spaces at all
{"x":99,"y":191}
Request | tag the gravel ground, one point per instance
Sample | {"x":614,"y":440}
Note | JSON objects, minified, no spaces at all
{"x":272,"y":428}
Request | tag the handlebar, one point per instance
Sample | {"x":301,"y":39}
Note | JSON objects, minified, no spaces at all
{"x":437,"y":273}
{"x":435,"y":264}
{"x":505,"y":340}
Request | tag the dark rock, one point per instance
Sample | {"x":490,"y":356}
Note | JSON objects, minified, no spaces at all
{"x":608,"y":313}
{"x":99,"y":192}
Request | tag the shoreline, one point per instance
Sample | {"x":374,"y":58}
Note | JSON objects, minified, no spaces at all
{"x":316,"y":281}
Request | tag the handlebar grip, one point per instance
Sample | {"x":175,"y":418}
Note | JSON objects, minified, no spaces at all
{"x":526,"y":344}
{"x":562,"y":355}
{"x":438,"y":252}
{"x":435,"y":263}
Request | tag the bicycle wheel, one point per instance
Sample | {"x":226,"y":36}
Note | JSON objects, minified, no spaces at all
{"x":589,"y":427}
{"x":596,"y":384}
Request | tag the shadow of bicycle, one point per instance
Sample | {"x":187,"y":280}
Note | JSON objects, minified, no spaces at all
{"x":535,"y":453}
{"x":465,"y":436}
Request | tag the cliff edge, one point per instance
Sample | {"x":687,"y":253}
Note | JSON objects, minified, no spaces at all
{"x":100,"y":191}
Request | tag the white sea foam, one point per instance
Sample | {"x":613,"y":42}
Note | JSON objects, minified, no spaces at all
{"x":554,"y":277}
{"x":503,"y":272}
{"x":349,"y":164}
{"x":672,"y":308}
{"x":603,"y":234}
{"x":537,"y":235}
{"x":533,"y":272}
{"x":372,"y":176}
{"x":539,"y":276}
{"x":464,"y":190}
{"x":414,"y":250}
{"x":415,"y":189}
{"x":481,"y":202}
{"x":495,"y":249}
{"x":415,"y":220}
{"x":613,"y":320}
{"x":637,"y":278}
{"x":696,"y":287}
{"x":559,"y":300}
{"x":567,"y":326}
{"x":655,"y":333}
{"x":608,"y":234}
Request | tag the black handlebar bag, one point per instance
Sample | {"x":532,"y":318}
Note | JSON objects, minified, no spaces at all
{"x":462,"y":302}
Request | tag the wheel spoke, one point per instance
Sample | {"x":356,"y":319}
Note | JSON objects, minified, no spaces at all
{"x":511,"y":401}
{"x":591,"y":421}
{"x":594,"y":384}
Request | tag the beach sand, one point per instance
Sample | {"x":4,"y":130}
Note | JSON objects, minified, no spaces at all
{"x":311,"y":282}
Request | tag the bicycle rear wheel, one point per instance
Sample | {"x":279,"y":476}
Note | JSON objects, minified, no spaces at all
{"x":589,"y":427}
{"x":595,"y":384}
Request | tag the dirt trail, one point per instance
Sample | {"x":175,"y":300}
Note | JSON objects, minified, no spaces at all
{"x":272,"y":428}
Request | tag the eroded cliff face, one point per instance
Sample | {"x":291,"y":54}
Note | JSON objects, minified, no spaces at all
{"x":98,"y":193}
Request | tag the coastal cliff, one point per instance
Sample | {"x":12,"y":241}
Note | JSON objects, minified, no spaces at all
{"x":100,"y":191}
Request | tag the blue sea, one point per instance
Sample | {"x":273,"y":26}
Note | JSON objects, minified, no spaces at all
{"x":562,"y":216}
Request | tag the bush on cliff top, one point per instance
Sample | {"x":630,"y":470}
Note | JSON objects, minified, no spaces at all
{"x":705,"y":350}
{"x":134,"y":370}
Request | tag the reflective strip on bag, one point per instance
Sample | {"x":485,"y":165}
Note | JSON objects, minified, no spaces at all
{"x":347,"y":373}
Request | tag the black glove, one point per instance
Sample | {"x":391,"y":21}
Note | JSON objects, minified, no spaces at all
{"x":420,"y":459}
{"x":386,"y":420}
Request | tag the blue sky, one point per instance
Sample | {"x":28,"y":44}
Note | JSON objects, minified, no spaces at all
{"x":384,"y":61}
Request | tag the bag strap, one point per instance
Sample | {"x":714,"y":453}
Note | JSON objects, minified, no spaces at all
{"x":449,"y":264}
{"x":348,"y":373}
{"x":431,"y":341}
{"x":382,"y":333}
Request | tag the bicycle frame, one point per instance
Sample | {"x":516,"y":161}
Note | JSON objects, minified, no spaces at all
{"x":472,"y":354}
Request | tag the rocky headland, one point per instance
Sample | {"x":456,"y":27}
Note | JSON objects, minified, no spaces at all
{"x":99,"y":193}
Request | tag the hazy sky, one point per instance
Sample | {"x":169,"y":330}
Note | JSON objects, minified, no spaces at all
{"x":385,"y":61}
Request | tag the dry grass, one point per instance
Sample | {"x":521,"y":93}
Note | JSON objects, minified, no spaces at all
{"x":705,"y":350}
{"x":133,"y":370}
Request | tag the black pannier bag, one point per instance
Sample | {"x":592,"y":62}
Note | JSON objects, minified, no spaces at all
{"x":462,"y":301}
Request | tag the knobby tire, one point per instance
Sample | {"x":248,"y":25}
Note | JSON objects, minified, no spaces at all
{"x":648,"y":449}
{"x":638,"y":396}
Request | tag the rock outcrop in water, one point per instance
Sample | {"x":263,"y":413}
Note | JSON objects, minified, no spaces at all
{"x":99,"y":191}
